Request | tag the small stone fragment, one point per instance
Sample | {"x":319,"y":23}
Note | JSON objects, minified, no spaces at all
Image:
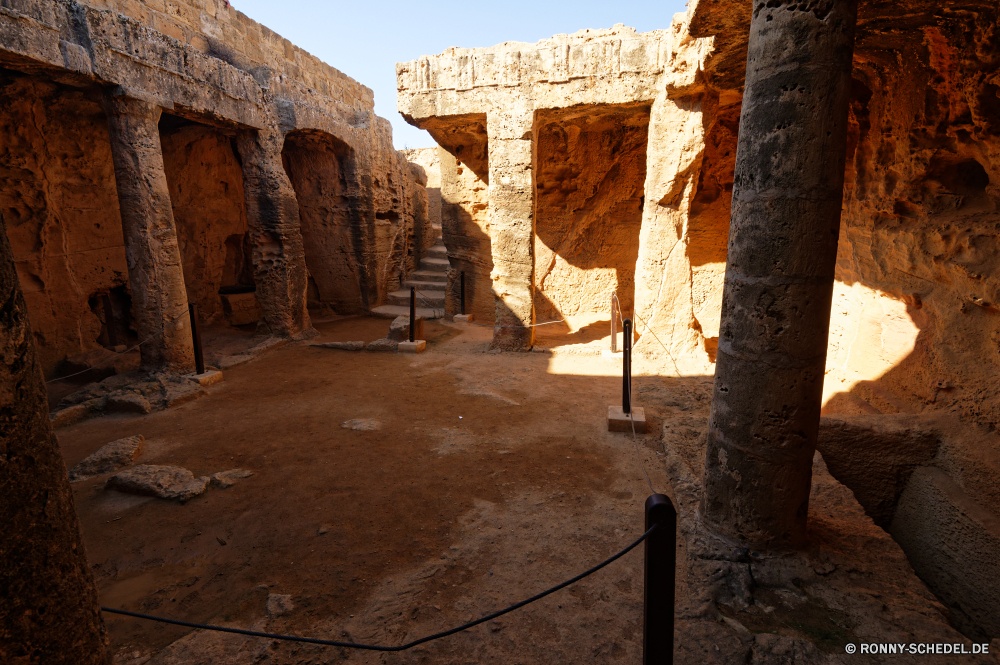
{"x":362,"y":424}
{"x":323,"y":529}
{"x":128,"y":403}
{"x":383,"y":345}
{"x":110,"y":457}
{"x":279,"y":604}
{"x":226,"y":479}
{"x":163,"y":482}
{"x":344,"y":346}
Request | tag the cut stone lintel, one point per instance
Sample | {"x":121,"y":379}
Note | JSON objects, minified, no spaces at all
{"x":156,"y":277}
{"x":279,"y":264}
{"x":512,"y":231}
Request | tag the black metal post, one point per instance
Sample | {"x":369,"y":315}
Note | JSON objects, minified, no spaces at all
{"x":413,"y":310}
{"x":627,"y":367}
{"x":109,"y":322}
{"x":614,"y":332}
{"x":199,"y":358}
{"x":658,"y":588}
{"x":461,"y":299}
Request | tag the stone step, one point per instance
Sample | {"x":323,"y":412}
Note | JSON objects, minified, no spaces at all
{"x":392,"y":311}
{"x":423,"y":286}
{"x":439,"y":265}
{"x":429,"y":276}
{"x":437,"y":252}
{"x":424,"y":298}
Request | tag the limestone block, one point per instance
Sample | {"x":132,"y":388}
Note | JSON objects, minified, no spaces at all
{"x":108,"y":458}
{"x":162,"y":482}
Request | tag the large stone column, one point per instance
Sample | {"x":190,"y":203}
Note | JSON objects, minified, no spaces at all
{"x":279,"y":260}
{"x":156,"y":277}
{"x":512,"y":224}
{"x":50,"y":610}
{"x":787,"y":199}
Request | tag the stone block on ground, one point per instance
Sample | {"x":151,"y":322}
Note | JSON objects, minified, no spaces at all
{"x":241,"y":309}
{"x":619,"y":421}
{"x":162,"y":482}
{"x":464,"y":318}
{"x":399,"y":329}
{"x":208,"y":378}
{"x":127,"y":403}
{"x":362,"y":424}
{"x":383,"y":345}
{"x":343,"y":346}
{"x":109,"y":458}
{"x":226,"y":479}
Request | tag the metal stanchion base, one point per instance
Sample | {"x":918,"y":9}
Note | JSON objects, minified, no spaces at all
{"x":210,"y":377}
{"x":619,"y":421}
{"x":416,"y":346}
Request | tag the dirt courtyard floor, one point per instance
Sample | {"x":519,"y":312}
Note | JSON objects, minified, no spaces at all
{"x":470,"y":480}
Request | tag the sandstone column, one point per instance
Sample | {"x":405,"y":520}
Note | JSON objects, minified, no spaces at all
{"x":154,"y":259}
{"x":50,"y":610}
{"x":512,"y":224}
{"x":279,"y":260}
{"x":787,"y":199}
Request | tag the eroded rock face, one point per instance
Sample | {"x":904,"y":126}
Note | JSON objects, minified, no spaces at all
{"x":108,"y":458}
{"x":160,"y":481}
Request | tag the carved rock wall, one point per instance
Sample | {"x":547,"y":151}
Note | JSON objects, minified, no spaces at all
{"x":58,"y":197}
{"x":206,"y":190}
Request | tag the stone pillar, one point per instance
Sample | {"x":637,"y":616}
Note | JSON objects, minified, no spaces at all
{"x":512,"y":225}
{"x":156,"y":276}
{"x":787,"y":199}
{"x":279,"y":260}
{"x":50,"y":609}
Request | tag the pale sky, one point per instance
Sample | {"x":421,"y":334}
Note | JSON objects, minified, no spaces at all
{"x":366,"y":38}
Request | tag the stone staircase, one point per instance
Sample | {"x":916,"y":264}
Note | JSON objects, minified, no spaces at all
{"x":430,"y":280}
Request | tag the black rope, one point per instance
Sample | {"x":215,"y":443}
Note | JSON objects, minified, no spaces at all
{"x":375,"y":647}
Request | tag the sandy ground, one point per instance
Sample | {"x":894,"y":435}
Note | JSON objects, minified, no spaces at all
{"x":489,"y":477}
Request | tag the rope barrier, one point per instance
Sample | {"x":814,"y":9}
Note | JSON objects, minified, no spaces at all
{"x":402,"y":647}
{"x":159,"y":332}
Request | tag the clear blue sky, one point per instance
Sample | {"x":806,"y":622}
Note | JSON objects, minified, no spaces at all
{"x":366,"y":38}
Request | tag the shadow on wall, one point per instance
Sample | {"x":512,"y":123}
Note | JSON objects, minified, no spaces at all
{"x":322,"y":171}
{"x":590,"y":174}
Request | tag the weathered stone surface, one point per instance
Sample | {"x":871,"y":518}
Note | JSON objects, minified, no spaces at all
{"x":240,"y":309}
{"x":362,"y":424}
{"x":382,"y":346}
{"x":962,"y":567}
{"x":108,"y":458}
{"x":279,"y":604}
{"x":344,"y":346}
{"x":128,"y":403}
{"x":50,"y":602}
{"x":276,"y":241}
{"x":206,"y":194}
{"x":399,"y":329}
{"x":162,"y":482}
{"x":226,"y":479}
{"x":780,"y":274}
{"x":159,"y":299}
